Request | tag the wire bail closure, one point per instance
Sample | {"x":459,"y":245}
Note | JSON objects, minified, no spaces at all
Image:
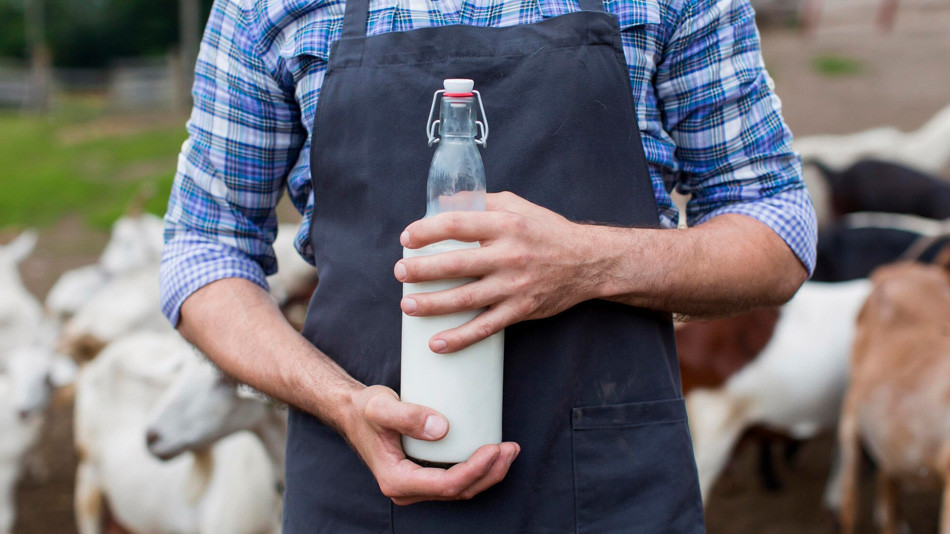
{"x":431,"y":126}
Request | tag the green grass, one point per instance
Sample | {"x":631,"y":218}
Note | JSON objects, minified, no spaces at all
{"x":81,"y":160}
{"x":835,"y":66}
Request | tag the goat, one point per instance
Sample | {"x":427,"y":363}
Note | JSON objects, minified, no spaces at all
{"x":127,"y":303}
{"x":898,"y":397}
{"x":847,"y":253}
{"x":135,"y":243}
{"x":28,"y":376}
{"x":794,"y":386}
{"x":884,"y":186}
{"x":712,"y":351}
{"x":20,"y":312}
{"x":202,"y":406}
{"x":925,"y":149}
{"x":227,"y":488}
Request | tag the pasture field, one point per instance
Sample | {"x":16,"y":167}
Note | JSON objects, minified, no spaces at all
{"x":83,"y":161}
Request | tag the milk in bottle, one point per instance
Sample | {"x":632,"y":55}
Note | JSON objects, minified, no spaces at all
{"x":464,"y":386}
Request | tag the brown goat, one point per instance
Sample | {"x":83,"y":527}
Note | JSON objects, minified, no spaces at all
{"x":898,"y":399}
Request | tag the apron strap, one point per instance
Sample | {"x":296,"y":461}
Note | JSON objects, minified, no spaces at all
{"x":591,"y":5}
{"x":354,"y":18}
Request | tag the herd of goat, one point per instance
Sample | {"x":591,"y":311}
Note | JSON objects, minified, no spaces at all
{"x":167,"y":443}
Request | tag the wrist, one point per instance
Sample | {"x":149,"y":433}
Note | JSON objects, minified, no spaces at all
{"x":319,"y":386}
{"x":615,"y":263}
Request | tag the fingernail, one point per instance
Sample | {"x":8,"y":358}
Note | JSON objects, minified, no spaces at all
{"x":435,"y":426}
{"x":511,"y":456}
{"x":439,"y":345}
{"x":404,"y":238}
{"x":409,"y":306}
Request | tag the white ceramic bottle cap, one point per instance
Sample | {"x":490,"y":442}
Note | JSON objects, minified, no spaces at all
{"x":458,"y":86}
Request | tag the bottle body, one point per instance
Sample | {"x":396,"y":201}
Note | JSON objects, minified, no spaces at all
{"x":464,"y":386}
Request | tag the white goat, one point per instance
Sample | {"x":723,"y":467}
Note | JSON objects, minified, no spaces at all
{"x":795,"y":385}
{"x":135,"y":243}
{"x":203,"y":405}
{"x":926,"y":149}
{"x":295,"y":278}
{"x":20,"y":312}
{"x":215,"y":491}
{"x":28,"y":376}
{"x":127,"y":303}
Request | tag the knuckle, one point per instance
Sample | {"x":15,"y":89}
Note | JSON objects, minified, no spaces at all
{"x":465,"y":299}
{"x":449,"y":492}
{"x":517,"y":258}
{"x":453,"y":223}
{"x":510,"y":222}
{"x":376,"y":406}
{"x":454,"y":265}
{"x":520,"y":284}
{"x":484,"y":330}
{"x":525,"y":307}
{"x":388,"y":489}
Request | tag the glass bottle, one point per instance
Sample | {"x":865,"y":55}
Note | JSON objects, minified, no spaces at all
{"x":464,"y":386}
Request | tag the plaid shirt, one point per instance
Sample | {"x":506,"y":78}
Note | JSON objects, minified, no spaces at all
{"x":710,"y":123}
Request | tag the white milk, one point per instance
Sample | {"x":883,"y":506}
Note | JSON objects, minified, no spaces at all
{"x":464,"y":386}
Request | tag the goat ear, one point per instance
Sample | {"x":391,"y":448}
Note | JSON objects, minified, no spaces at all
{"x":63,"y":371}
{"x":21,"y":247}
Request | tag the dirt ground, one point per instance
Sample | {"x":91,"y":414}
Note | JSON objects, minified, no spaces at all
{"x":903,"y":78}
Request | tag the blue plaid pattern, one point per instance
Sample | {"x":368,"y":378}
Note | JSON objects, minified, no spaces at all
{"x":710,"y":123}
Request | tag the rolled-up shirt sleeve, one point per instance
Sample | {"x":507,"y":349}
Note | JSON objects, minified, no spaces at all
{"x":734,"y":152}
{"x":245,"y":135}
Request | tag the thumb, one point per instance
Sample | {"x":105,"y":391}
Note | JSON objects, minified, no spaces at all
{"x":387,"y":411}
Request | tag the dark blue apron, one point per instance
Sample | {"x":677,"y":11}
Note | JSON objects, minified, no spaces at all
{"x":592,"y":394}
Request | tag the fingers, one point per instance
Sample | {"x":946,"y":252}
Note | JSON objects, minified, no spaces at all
{"x":486,"y":467}
{"x":468,"y":226}
{"x":467,"y":263}
{"x":487,"y":323}
{"x":387,"y":411}
{"x":496,"y":472}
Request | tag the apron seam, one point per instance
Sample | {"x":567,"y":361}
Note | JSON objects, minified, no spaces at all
{"x":357,"y":65}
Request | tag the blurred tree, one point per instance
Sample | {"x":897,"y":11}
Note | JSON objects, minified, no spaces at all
{"x":91,"y":33}
{"x":12,"y":30}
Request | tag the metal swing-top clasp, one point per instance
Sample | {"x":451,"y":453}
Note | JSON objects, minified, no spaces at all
{"x":455,"y":87}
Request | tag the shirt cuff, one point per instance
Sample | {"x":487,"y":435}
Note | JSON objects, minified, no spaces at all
{"x":191,"y":261}
{"x":789,"y":214}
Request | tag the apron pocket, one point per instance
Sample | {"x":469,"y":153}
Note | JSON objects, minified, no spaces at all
{"x":634,"y":469}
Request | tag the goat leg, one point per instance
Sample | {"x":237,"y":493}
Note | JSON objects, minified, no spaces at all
{"x":944,"y":462}
{"x":885,"y":508}
{"x":88,"y":501}
{"x":767,"y":471}
{"x":850,"y":458}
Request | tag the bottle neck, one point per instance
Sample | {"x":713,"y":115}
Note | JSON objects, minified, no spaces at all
{"x":457,"y":118}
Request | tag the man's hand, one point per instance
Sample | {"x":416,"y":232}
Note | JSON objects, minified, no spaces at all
{"x":379,"y":417}
{"x":533,"y":263}
{"x":258,"y":347}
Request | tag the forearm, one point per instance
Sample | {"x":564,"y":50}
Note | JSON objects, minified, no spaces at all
{"x":257,"y":346}
{"x":728,"y":265}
